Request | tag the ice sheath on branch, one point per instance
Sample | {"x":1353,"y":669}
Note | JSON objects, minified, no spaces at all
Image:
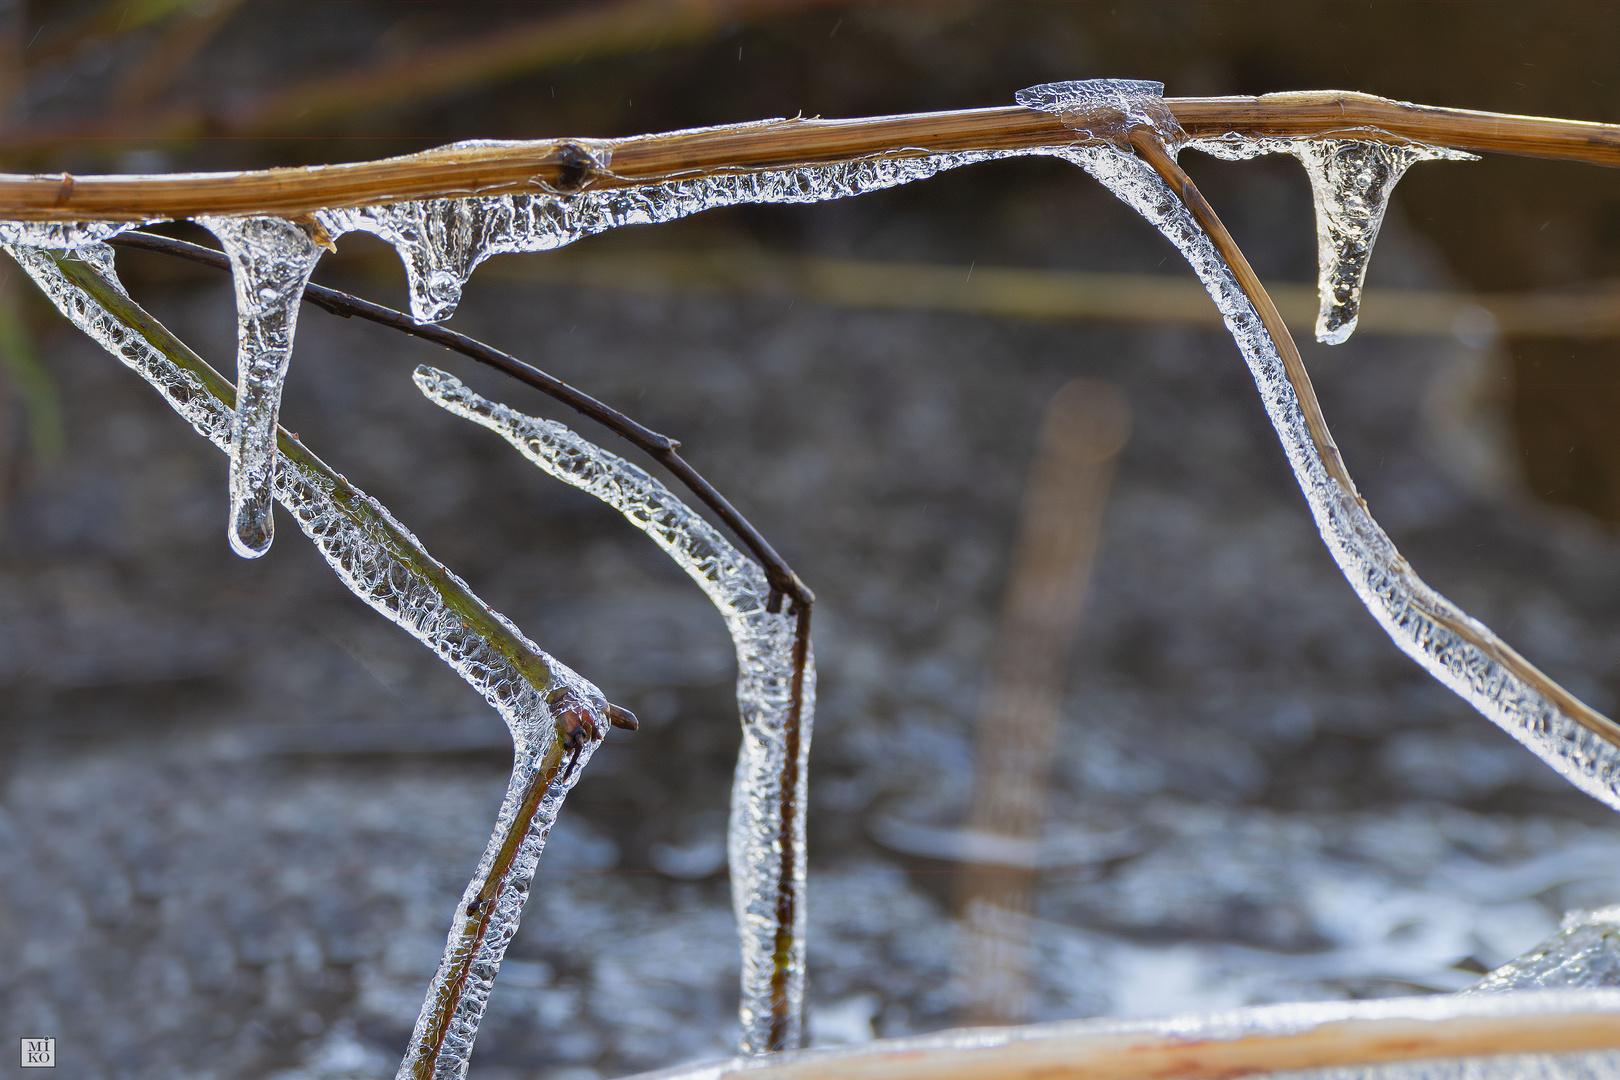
{"x":775,"y":697}
{"x":1458,"y":650}
{"x":557,"y":719}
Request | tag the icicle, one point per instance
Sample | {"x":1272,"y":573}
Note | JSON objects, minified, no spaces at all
{"x":1351,"y":184}
{"x":1584,"y":953}
{"x":764,"y":643}
{"x":271,"y":260}
{"x":556,"y":718}
{"x":1453,"y":647}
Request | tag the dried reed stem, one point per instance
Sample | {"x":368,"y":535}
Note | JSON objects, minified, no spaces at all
{"x":553,"y":165}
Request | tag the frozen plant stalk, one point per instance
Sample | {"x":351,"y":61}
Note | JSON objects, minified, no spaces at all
{"x":775,"y":696}
{"x":271,"y":260}
{"x":556,"y":718}
{"x":1455,"y":648}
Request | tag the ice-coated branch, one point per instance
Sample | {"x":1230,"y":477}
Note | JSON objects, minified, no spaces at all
{"x":565,"y":166}
{"x":556,"y":718}
{"x":1458,"y":650}
{"x":1520,"y":1035}
{"x":775,"y":697}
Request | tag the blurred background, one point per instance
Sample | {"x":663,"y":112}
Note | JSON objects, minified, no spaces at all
{"x":237,"y":807}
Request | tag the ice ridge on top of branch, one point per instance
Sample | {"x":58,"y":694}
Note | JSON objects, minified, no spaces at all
{"x":1107,"y":108}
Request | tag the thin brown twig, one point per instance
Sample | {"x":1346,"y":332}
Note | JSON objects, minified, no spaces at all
{"x":787,"y":867}
{"x":555,"y":165}
{"x":1146,"y":143}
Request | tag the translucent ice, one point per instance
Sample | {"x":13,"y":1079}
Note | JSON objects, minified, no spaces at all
{"x":556,"y":717}
{"x":62,"y":234}
{"x":1106,"y":108}
{"x":771,"y":774}
{"x":1351,"y":183}
{"x":1455,"y":648}
{"x":441,"y":241}
{"x":271,"y":260}
{"x":1585,"y":952}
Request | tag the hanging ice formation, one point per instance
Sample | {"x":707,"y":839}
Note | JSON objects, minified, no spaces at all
{"x":1351,"y":179}
{"x":1455,"y":648}
{"x":765,"y":699}
{"x":557,"y":719}
{"x":271,"y":260}
{"x":1351,"y":182}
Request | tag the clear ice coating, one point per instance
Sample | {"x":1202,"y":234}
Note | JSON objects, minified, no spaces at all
{"x":62,"y":235}
{"x":1456,"y":649}
{"x":441,"y":241}
{"x":764,"y":643}
{"x":1584,"y":953}
{"x":1106,"y":108}
{"x":271,"y":260}
{"x":385,"y":566}
{"x":1235,"y":1042}
{"x":1351,"y":183}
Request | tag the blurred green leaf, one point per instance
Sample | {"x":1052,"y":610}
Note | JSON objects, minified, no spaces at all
{"x":21,"y":363}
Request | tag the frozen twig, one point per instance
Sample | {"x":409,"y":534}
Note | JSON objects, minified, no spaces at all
{"x":775,"y":697}
{"x":556,"y":718}
{"x":1510,"y":1036}
{"x":568,"y":165}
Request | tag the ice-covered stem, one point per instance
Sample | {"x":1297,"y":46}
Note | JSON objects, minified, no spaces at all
{"x":775,"y":697}
{"x":494,"y":167}
{"x":1577,"y":741}
{"x":556,"y":718}
{"x":271,"y":260}
{"x":1540,"y":1034}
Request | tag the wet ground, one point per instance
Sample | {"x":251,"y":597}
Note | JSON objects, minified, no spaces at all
{"x":238,"y":807}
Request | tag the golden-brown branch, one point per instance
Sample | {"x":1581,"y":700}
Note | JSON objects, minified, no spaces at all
{"x":551,"y":164}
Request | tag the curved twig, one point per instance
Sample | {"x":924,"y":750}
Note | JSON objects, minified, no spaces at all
{"x":1148,"y":146}
{"x":661,"y":447}
{"x":564,"y":166}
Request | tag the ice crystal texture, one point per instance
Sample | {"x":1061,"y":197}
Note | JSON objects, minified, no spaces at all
{"x":1106,"y":108}
{"x":1351,"y":183}
{"x":384,"y":565}
{"x":1584,"y":952}
{"x":764,"y":643}
{"x":1424,"y":624}
{"x":271,"y":260}
{"x":441,"y":241}
{"x":1171,"y":1041}
{"x":62,"y":234}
